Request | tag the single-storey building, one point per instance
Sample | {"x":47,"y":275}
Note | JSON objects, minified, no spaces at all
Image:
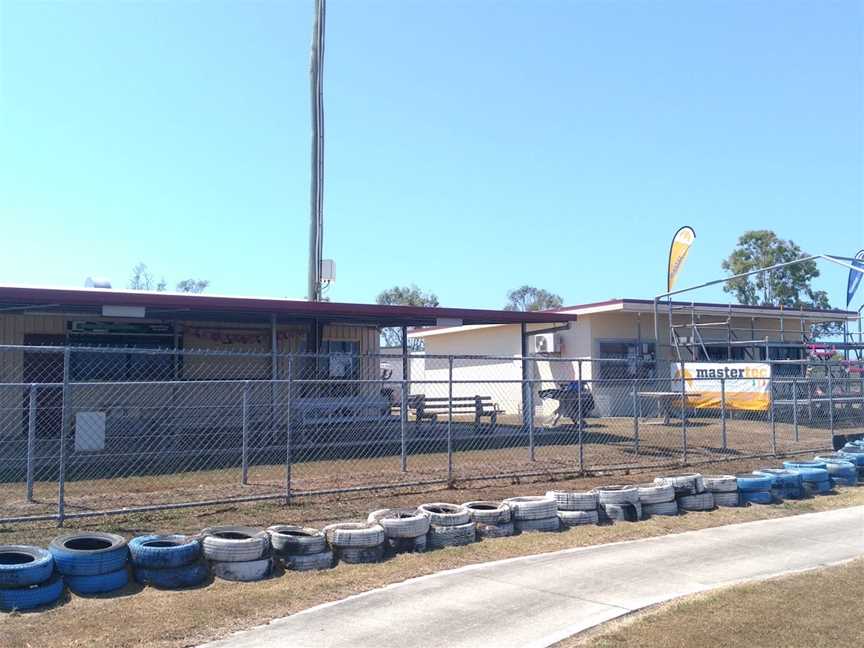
{"x":177,"y":358}
{"x":616,"y":341}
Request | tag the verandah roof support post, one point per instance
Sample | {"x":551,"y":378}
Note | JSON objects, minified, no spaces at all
{"x":403,"y":402}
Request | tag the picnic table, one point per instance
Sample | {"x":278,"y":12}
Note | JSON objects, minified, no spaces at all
{"x":665,"y":399}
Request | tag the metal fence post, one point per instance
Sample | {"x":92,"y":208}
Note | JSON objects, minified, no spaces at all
{"x":771,"y":410}
{"x":31,"y":440}
{"x":288,"y":457}
{"x":449,"y":419}
{"x":403,"y":425}
{"x":830,"y":401}
{"x":580,"y":423}
{"x":683,"y":412}
{"x":244,"y":409}
{"x":528,"y":390}
{"x":65,"y":426}
{"x":795,"y":406}
{"x":723,"y":412}
{"x":636,"y":415}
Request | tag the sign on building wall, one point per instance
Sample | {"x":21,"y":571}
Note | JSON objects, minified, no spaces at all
{"x":746,"y":384}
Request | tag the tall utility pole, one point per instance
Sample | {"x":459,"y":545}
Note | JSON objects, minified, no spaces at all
{"x":316,"y":215}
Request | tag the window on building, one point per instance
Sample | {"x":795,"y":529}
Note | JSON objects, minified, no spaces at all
{"x":118,"y":364}
{"x":634,"y":359}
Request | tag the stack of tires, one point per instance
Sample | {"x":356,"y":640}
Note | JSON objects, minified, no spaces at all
{"x":619,"y":503}
{"x":724,"y":488}
{"x":91,"y":563}
{"x":300,"y":548}
{"x":814,"y":474}
{"x":854,"y":453}
{"x":491,"y":519}
{"x":754,"y":488}
{"x":576,"y":508}
{"x":450,"y":525}
{"x":534,"y":513}
{"x":168,"y":561}
{"x":356,"y":543}
{"x":405,"y":529}
{"x":657,"y":499}
{"x":785,"y":484}
{"x":690,"y":491}
{"x":237,"y":553}
{"x":27,"y":578}
{"x":840,"y":468}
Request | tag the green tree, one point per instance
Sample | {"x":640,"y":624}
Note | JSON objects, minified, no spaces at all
{"x":193,"y":285}
{"x":404,"y":296}
{"x":143,"y":279}
{"x":529,"y":298}
{"x":788,"y":286}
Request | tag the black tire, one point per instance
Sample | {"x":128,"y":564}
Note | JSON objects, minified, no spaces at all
{"x":288,"y":539}
{"x":838,"y":441}
{"x":24,"y":565}
{"x":89,"y":554}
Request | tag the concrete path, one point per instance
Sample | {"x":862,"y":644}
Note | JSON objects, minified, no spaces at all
{"x":538,"y":600}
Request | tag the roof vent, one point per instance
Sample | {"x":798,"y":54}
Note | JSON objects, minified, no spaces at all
{"x":97,"y":282}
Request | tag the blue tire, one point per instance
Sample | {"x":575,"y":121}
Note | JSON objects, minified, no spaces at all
{"x":33,"y":596}
{"x":810,"y":473}
{"x":783,"y":478}
{"x":818,"y":488}
{"x":163,"y":551}
{"x":174,"y":577}
{"x":757,"y":497}
{"x":89,"y":554}
{"x":24,"y":565}
{"x":749,"y":482}
{"x":842,"y":472}
{"x":797,"y":465}
{"x":856,"y":457}
{"x":100,"y":583}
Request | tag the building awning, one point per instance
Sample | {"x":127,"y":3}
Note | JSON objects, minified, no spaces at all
{"x":166,"y":305}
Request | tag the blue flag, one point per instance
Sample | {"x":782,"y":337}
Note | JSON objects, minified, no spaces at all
{"x":855,"y":277}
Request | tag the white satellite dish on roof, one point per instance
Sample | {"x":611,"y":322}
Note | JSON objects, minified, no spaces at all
{"x":97,"y":282}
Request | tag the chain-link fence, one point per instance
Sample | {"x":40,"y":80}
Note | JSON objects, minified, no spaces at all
{"x":85,"y":431}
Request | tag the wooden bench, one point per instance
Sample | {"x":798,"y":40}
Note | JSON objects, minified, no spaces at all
{"x":428,"y":408}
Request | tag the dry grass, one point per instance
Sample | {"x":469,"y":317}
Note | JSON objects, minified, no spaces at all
{"x":816,"y":609}
{"x":608,"y":443}
{"x":148,"y":617}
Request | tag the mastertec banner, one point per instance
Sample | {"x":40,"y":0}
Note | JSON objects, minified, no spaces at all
{"x":745,"y":384}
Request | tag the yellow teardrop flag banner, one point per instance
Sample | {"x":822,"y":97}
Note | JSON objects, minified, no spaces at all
{"x":681,"y":243}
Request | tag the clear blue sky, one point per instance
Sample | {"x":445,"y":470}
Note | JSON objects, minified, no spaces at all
{"x":471,"y":146}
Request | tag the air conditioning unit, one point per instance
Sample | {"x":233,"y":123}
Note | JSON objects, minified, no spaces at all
{"x":545,"y":343}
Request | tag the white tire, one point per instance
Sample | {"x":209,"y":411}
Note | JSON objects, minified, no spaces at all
{"x":576,"y":518}
{"x":720,"y":483}
{"x":656,"y":493}
{"x":288,"y":539}
{"x":400,"y":523}
{"x":503,"y":530}
{"x":727,"y":499}
{"x":618,"y":495}
{"x":661,"y":508}
{"x":574,"y":501}
{"x":354,"y":534}
{"x":361,"y":555}
{"x":443,"y":514}
{"x":700,"y":502}
{"x":246,"y":571}
{"x":532,"y":507}
{"x":684,"y":484}
{"x":310,"y":562}
{"x":451,"y":535}
{"x":234,"y":544}
{"x":541,"y":524}
{"x":485,"y":512}
{"x":622,"y":512}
